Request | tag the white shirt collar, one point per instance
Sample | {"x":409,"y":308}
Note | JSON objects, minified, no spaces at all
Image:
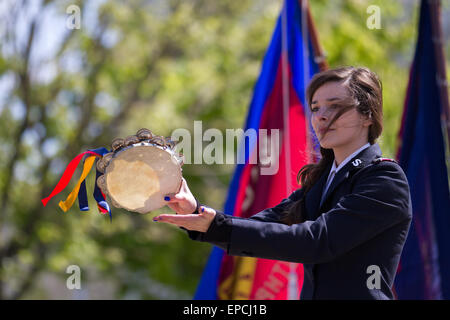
{"x":343,"y":163}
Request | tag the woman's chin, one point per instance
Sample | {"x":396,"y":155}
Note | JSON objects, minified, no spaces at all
{"x":324,"y":143}
{"x":326,"y":146}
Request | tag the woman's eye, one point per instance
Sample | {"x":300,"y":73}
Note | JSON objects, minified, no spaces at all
{"x":314,"y":109}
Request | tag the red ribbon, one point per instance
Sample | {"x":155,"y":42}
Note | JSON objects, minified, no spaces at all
{"x":67,"y":175}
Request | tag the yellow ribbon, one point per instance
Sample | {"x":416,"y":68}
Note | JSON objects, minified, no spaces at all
{"x":67,"y":204}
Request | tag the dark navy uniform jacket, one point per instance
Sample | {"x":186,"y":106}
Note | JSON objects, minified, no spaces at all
{"x":359,"y":229}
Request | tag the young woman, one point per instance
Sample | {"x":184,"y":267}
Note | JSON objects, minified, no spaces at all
{"x":348,"y":222}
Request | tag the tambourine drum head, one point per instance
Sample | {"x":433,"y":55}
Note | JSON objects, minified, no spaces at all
{"x":138,"y":178}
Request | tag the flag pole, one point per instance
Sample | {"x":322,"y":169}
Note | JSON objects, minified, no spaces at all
{"x":304,"y":7}
{"x":309,"y":31}
{"x":285,"y":98}
{"x":292,"y":291}
{"x":319,"y":55}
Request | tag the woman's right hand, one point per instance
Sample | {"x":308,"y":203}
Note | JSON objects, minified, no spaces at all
{"x":182,"y":202}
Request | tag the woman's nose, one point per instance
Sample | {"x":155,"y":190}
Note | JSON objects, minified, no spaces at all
{"x":322,"y":114}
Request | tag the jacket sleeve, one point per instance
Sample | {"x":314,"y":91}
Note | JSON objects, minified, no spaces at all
{"x":219,"y":233}
{"x":380,"y":199}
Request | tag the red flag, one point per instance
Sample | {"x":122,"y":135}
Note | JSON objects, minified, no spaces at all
{"x":278,"y":106}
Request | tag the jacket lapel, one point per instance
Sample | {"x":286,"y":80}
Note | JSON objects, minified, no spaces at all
{"x":359,"y":161}
{"x":313,"y":196}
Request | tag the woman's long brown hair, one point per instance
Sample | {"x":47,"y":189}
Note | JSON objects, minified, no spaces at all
{"x":365,"y":94}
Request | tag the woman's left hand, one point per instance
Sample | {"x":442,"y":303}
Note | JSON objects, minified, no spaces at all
{"x":194,"y":222}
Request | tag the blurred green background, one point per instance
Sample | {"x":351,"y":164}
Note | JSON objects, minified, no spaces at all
{"x":157,"y":64}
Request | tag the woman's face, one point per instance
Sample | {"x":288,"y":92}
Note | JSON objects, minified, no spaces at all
{"x":350,"y":129}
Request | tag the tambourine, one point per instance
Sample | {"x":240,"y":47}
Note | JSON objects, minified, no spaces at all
{"x":140,"y":171}
{"x":135,"y":174}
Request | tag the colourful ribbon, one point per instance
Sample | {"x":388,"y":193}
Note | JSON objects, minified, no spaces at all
{"x":80,"y":188}
{"x":67,"y":204}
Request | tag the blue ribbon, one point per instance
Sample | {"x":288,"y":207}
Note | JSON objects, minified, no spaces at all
{"x":98,"y":196}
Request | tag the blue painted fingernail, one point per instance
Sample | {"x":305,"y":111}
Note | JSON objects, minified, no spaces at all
{"x":203,"y":209}
{"x":166,"y":198}
{"x":155,"y":219}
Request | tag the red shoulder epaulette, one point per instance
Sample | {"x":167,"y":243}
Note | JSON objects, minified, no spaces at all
{"x":378,"y":160}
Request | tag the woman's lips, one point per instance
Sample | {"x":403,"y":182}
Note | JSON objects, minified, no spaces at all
{"x":323,"y":131}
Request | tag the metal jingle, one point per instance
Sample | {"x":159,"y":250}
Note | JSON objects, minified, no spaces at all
{"x":100,"y":165}
{"x":170,"y":143}
{"x":159,"y":141}
{"x":101,"y":183}
{"x":131,"y":140}
{"x":107,"y":159}
{"x":180,"y":158}
{"x":117,"y":144}
{"x":144,"y":130}
{"x":144,"y":134}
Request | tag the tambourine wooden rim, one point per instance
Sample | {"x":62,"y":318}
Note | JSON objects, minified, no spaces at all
{"x":140,"y":171}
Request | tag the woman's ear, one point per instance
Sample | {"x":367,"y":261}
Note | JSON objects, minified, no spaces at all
{"x":367,"y":120}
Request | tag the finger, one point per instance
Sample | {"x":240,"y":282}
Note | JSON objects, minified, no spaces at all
{"x":179,"y":220}
{"x":175,"y":218}
{"x":182,"y":184}
{"x":173,"y":198}
{"x":180,"y":197}
{"x":174,"y":206}
{"x":203,"y":210}
{"x":161,"y":218}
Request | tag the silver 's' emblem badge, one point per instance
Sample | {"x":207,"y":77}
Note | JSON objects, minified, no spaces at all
{"x":356,"y":162}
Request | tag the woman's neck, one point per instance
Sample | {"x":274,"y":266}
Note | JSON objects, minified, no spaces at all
{"x":341,"y":153}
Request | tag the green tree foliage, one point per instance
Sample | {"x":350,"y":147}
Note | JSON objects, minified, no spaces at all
{"x":133,"y":64}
